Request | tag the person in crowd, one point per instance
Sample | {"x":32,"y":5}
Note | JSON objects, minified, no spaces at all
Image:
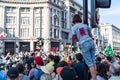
{"x":26,"y":69}
{"x":59,"y":69}
{"x":101,"y":72}
{"x":51,"y":59}
{"x":115,"y":70}
{"x":2,"y":71}
{"x":68,"y":73}
{"x":31,"y":60}
{"x":56,"y":61}
{"x":69,"y":61}
{"x":21,"y":72}
{"x":80,"y":68}
{"x":46,"y":77}
{"x":36,"y":73}
{"x":82,"y":34}
{"x":48,"y":68}
{"x":106,"y":63}
{"x":12,"y":73}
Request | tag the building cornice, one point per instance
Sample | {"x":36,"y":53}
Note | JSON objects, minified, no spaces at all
{"x":56,"y":5}
{"x":30,"y":2}
{"x":25,"y":1}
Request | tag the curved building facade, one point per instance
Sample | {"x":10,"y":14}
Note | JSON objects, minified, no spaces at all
{"x":26,"y":20}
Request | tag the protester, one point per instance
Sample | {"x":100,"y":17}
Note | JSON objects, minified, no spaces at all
{"x":2,"y":71}
{"x":12,"y":73}
{"x":82,"y":34}
{"x":21,"y":72}
{"x":115,"y":70}
{"x":55,"y":68}
{"x":56,"y":61}
{"x":80,"y":68}
{"x":68,"y":73}
{"x":36,"y":73}
{"x":51,"y":59}
{"x":46,"y":77}
{"x":31,"y":60}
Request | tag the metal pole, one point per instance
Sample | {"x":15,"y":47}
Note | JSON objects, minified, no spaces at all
{"x":40,"y":26}
{"x":93,"y":12}
{"x":85,"y":11}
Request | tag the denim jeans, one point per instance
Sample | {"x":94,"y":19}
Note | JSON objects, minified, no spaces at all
{"x":88,"y":52}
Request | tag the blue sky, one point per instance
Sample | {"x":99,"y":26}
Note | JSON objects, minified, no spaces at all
{"x":110,"y":15}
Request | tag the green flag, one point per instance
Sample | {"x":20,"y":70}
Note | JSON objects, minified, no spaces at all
{"x":78,"y":49}
{"x":108,"y":51}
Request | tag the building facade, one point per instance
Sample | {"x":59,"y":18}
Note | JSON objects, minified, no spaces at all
{"x":110,"y":35}
{"x":26,"y":20}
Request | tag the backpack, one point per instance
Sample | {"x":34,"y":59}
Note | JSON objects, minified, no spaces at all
{"x":40,"y":72}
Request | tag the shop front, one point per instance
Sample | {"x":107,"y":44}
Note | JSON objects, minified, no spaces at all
{"x":55,"y":46}
{"x":24,"y":46}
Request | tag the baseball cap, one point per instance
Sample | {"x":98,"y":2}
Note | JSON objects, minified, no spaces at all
{"x":38,"y":60}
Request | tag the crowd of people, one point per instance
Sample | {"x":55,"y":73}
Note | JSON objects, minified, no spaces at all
{"x":63,"y":65}
{"x":56,"y":66}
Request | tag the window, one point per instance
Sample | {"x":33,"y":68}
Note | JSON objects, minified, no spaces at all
{"x":37,"y":32}
{"x":25,"y":20}
{"x":10,"y":9}
{"x":51,"y":10}
{"x":56,"y":21}
{"x":24,"y":32}
{"x":37,"y":10}
{"x":51,"y":21}
{"x":54,"y":11}
{"x":10,"y":19}
{"x":65,"y":35}
{"x":37,"y":20}
{"x":51,"y":32}
{"x":58,"y":13}
{"x":72,"y":10}
{"x":25,"y":10}
{"x":62,"y":14}
{"x":56,"y":33}
{"x":10,"y":32}
{"x":54,"y":1}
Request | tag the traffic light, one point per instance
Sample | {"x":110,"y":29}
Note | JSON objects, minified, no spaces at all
{"x":95,"y":4}
{"x":40,"y":42}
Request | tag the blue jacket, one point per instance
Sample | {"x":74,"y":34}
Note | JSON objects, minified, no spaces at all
{"x":80,"y":70}
{"x":3,"y":75}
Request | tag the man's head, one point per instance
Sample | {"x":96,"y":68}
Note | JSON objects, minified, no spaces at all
{"x":56,"y":59}
{"x":79,"y":57}
{"x":13,"y":73}
{"x":50,"y":57}
{"x":68,"y":73}
{"x":33,"y":55}
{"x":115,"y":69}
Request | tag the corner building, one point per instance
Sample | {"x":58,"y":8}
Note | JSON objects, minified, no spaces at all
{"x":111,"y":35}
{"x":26,"y":20}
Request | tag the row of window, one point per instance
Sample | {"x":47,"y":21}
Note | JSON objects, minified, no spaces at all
{"x":24,"y":32}
{"x":24,"y":20}
{"x":115,"y":44}
{"x":22,"y":10}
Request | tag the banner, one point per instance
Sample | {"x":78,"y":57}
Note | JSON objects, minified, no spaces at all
{"x":108,"y":51}
{"x":3,"y":35}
